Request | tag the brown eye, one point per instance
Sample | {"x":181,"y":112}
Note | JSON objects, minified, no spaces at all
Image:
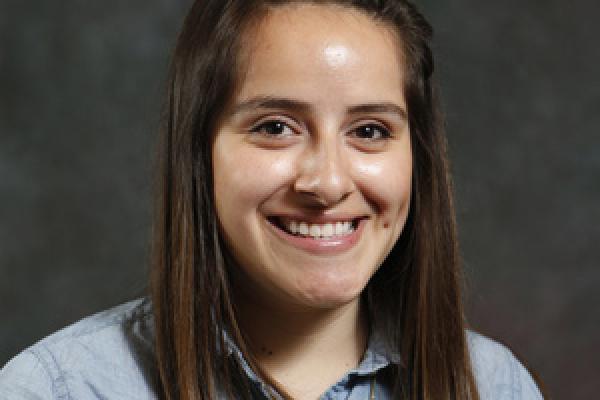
{"x":273,"y":128}
{"x":372,"y":132}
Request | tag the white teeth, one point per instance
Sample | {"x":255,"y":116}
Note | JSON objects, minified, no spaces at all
{"x":303,"y":229}
{"x":327,"y":230}
{"x":293,"y":227}
{"x":342,"y":227}
{"x":319,"y":231}
{"x":315,"y":231}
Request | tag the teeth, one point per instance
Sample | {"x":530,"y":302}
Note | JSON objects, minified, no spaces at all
{"x":319,"y":231}
{"x":327,"y":230}
{"x":314,"y":231}
{"x":303,"y":228}
{"x":342,"y":227}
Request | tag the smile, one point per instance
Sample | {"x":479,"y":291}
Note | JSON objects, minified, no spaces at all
{"x":317,"y":231}
{"x":319,"y":237}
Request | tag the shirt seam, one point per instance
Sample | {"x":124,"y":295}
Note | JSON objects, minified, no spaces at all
{"x":59,"y":384}
{"x":137,"y":312}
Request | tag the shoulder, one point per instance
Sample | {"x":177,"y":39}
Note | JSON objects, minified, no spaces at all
{"x":106,"y":355}
{"x":498,"y":373}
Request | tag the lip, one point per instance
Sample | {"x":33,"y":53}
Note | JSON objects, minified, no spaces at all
{"x":334,"y":245}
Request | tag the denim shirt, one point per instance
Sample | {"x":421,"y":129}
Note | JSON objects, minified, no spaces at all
{"x":110,"y":356}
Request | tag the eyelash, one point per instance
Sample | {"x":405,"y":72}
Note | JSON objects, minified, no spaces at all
{"x":259,"y":129}
{"x":384,"y":132}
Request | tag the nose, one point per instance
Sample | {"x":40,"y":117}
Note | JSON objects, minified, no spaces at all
{"x":324,"y":175}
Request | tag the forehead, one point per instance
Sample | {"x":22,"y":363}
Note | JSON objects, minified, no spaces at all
{"x":332,"y":47}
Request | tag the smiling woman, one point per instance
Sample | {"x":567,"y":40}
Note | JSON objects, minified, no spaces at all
{"x":305,"y":240}
{"x":317,"y":138}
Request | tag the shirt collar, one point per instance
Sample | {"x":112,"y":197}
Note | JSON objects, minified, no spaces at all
{"x":376,"y":357}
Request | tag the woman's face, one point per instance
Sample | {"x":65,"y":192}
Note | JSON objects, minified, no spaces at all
{"x":312,"y":159}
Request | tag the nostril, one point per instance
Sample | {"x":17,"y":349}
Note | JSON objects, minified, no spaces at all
{"x":323,"y":196}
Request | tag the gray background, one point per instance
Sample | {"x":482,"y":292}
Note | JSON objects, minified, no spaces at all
{"x":81,"y":89}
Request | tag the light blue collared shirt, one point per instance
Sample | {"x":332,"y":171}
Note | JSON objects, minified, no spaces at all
{"x":110,"y":356}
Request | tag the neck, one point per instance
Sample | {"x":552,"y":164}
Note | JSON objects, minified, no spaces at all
{"x":290,"y":346}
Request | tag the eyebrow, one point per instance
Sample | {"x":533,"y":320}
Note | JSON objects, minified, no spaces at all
{"x":279,"y":103}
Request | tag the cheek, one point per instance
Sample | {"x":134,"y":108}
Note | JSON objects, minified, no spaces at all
{"x":235,"y":179}
{"x":244,"y":179}
{"x":387,"y":183}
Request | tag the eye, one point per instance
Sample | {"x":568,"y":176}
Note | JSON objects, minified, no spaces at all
{"x":273,"y":128}
{"x":372,"y":132}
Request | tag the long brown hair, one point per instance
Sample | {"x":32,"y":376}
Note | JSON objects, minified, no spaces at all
{"x":414,"y":298}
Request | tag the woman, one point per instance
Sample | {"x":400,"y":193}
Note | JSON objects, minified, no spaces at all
{"x":305,"y":237}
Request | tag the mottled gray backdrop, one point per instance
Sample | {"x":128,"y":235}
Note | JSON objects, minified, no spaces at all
{"x":81,"y":84}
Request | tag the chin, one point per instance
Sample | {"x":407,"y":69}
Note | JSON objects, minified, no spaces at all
{"x":324,"y":294}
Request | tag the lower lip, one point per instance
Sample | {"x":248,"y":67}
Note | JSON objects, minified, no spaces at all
{"x":336,"y":244}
